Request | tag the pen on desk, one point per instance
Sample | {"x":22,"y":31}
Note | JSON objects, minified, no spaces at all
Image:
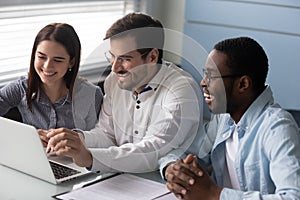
{"x":99,"y":178}
{"x":84,"y":184}
{"x":158,"y":197}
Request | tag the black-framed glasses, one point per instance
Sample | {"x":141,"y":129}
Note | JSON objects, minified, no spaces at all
{"x":207,"y":77}
{"x":123,"y":59}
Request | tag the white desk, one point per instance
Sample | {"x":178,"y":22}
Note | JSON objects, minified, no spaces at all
{"x":15,"y":185}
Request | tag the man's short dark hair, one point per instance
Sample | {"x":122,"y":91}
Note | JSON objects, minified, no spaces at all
{"x":246,"y":57}
{"x":147,"y":31}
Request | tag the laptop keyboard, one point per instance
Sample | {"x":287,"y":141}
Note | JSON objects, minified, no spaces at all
{"x":61,"y":171}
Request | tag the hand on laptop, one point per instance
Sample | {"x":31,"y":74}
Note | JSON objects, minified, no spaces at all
{"x":68,"y":143}
{"x":43,"y":136}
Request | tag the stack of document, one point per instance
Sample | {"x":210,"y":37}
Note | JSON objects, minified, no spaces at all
{"x":121,"y":187}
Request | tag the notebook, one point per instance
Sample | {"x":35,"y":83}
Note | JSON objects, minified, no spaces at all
{"x":21,"y":149}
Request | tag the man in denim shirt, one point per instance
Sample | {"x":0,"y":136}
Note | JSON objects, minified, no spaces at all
{"x":254,"y":144}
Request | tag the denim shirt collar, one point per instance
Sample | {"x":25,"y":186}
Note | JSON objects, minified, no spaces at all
{"x":255,"y":110}
{"x":252,"y":113}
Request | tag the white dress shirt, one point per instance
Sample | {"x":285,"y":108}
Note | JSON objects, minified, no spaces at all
{"x":133,"y":132}
{"x":232,"y":144}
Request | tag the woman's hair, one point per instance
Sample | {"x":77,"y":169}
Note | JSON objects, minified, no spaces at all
{"x":147,"y":31}
{"x":65,"y":35}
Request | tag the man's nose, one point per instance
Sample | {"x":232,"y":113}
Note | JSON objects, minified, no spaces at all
{"x":115,"y":66}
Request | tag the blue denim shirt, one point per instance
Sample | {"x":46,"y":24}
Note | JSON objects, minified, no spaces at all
{"x":268,"y":157}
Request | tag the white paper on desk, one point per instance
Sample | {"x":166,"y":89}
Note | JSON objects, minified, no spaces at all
{"x":121,"y":187}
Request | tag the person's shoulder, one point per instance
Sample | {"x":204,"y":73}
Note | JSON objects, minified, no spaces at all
{"x":82,"y":85}
{"x":277,"y":120}
{"x":177,"y":73}
{"x":269,"y":110}
{"x":278,"y":124}
{"x":21,"y":82}
{"x":175,"y":78}
{"x":18,"y":86}
{"x":84,"y":82}
{"x":175,"y":68}
{"x":275,"y":111}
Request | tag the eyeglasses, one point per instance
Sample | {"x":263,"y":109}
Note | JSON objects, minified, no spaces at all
{"x":123,"y":59}
{"x":207,"y":77}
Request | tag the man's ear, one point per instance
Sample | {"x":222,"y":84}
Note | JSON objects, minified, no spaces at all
{"x":153,"y":55}
{"x":245,"y":83}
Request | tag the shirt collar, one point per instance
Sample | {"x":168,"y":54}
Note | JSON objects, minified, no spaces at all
{"x":256,"y":108}
{"x":156,"y":80}
{"x":42,"y":98}
{"x":160,"y":75}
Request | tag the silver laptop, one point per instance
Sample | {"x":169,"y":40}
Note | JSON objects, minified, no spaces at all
{"x":21,"y":149}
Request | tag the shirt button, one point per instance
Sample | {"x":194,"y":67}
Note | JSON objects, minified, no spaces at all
{"x":137,"y":107}
{"x":138,"y":101}
{"x":136,"y":132}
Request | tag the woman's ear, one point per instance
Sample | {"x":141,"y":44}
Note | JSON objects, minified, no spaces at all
{"x":72,"y":62}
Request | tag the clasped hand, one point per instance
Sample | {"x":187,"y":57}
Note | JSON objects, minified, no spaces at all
{"x":187,"y":180}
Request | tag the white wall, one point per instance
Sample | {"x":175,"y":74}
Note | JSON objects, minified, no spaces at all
{"x":171,"y":13}
{"x":274,"y":24}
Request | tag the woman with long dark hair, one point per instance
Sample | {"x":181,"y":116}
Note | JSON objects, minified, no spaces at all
{"x":53,"y":96}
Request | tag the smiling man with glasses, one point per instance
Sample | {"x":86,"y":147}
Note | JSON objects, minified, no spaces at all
{"x":150,"y":106}
{"x":253,"y":145}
